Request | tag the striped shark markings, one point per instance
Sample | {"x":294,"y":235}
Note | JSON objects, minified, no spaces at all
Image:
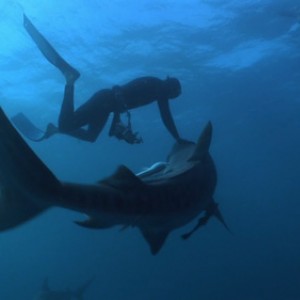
{"x":165,"y":197}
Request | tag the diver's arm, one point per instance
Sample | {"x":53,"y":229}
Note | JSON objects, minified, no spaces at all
{"x":167,"y":118}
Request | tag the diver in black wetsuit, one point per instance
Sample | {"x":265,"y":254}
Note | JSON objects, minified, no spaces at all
{"x":95,"y":111}
{"x":119,"y":99}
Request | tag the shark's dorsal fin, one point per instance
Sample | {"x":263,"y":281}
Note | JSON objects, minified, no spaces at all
{"x":203,"y":143}
{"x":122,"y":178}
{"x":123,"y":173}
{"x":155,"y":239}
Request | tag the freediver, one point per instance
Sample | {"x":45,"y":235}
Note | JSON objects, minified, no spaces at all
{"x":95,"y":111}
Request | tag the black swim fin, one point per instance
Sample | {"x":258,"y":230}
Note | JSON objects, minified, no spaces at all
{"x":29,"y":130}
{"x":70,"y":73}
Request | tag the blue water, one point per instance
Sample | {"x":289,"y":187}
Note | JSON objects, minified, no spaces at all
{"x":239,"y":64}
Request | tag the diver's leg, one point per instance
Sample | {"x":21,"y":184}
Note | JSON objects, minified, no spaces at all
{"x":95,"y":126}
{"x":70,"y":73}
{"x":116,"y":119}
{"x":66,"y":115}
{"x":92,"y":113}
{"x":93,"y":131}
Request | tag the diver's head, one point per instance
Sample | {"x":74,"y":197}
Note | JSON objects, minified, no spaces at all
{"x":172,"y":87}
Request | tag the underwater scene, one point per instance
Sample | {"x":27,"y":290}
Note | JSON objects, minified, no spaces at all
{"x":150,"y":150}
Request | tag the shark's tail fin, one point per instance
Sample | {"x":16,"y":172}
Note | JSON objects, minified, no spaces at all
{"x":24,"y":179}
{"x":82,"y":289}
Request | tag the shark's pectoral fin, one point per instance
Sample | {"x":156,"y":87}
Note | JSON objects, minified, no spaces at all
{"x":219,"y":216}
{"x":93,"y":223}
{"x":212,"y":210}
{"x":155,"y":239}
{"x":201,"y":222}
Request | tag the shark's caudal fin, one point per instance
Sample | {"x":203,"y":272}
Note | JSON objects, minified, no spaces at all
{"x":24,"y":178}
{"x":203,"y":143}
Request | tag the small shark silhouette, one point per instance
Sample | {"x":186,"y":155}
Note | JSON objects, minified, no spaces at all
{"x":167,"y":197}
{"x":47,"y":294}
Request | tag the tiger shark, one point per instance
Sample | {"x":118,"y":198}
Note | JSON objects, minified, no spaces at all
{"x":163,"y":198}
{"x":49,"y":294}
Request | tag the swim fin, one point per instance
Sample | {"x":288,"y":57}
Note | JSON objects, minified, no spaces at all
{"x":70,"y":73}
{"x":29,"y":130}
